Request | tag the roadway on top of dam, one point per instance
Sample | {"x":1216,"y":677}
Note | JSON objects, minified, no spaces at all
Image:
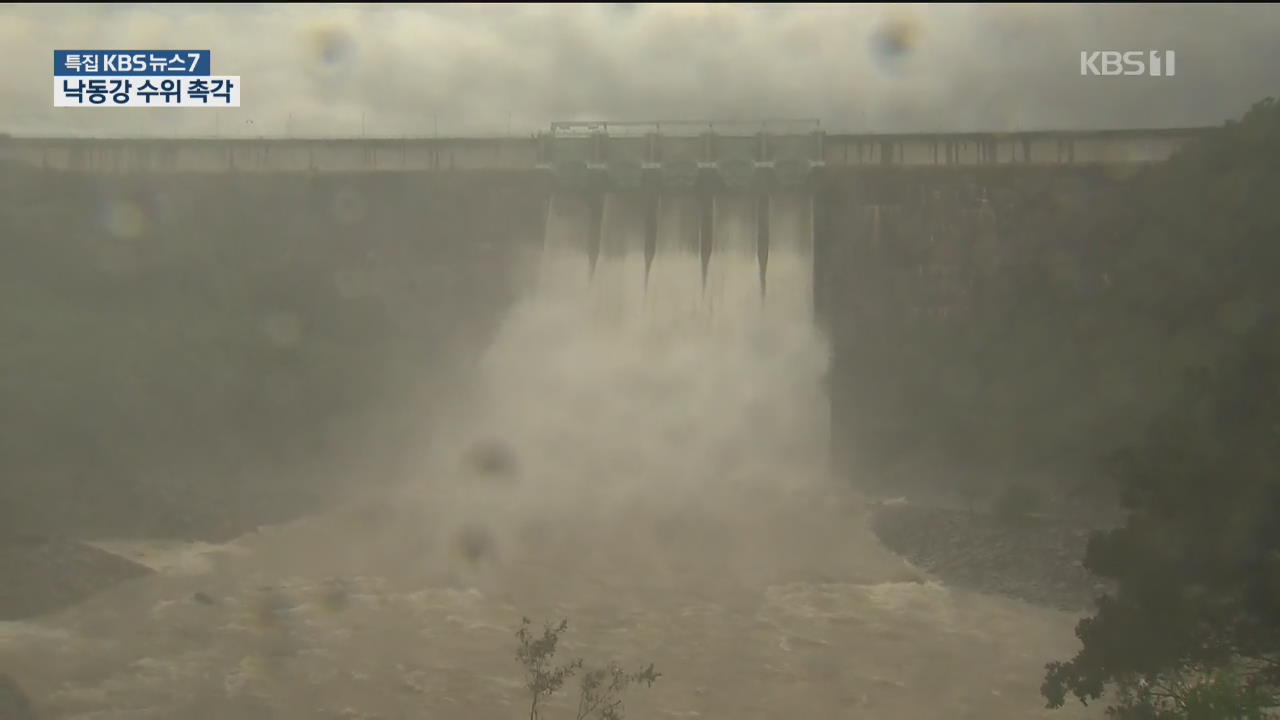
{"x":357,"y":155}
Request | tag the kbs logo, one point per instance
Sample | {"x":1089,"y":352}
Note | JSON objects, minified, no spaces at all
{"x":1156,"y":63}
{"x":141,"y":78}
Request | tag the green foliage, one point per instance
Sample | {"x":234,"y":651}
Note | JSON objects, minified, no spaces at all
{"x":600,"y":690}
{"x":536,"y":654}
{"x":1193,"y":628}
{"x":1199,"y":693}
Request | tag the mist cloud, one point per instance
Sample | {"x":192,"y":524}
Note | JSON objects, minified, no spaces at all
{"x":415,"y":70}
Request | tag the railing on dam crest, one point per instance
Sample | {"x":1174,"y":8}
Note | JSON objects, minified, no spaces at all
{"x":623,"y":149}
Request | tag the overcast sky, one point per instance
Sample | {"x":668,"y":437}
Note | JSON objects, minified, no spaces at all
{"x":486,"y":69}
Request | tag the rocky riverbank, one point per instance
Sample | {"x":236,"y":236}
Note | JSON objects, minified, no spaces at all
{"x":40,"y":575}
{"x":1032,"y":558}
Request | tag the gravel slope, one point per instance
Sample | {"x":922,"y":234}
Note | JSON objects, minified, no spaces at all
{"x":40,"y":575}
{"x":1036,"y":559}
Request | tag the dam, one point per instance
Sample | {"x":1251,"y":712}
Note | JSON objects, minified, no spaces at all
{"x":856,"y":232}
{"x":727,"y":174}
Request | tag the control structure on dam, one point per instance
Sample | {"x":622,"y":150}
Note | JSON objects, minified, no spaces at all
{"x":685,"y":218}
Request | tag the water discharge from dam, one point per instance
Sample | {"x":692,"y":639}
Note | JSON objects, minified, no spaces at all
{"x":656,"y":349}
{"x":672,"y":263}
{"x":643,"y":452}
{"x":709,"y":297}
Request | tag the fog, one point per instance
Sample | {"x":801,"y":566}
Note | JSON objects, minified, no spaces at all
{"x":636,"y":423}
{"x":313,"y":444}
{"x":394,"y":70}
{"x":651,"y":468}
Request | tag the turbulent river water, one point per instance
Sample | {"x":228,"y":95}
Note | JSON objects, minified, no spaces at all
{"x":641,"y":456}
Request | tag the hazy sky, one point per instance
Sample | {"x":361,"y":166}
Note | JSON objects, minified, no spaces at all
{"x":403,"y":69}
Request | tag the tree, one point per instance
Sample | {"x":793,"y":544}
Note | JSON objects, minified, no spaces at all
{"x":1192,"y":629}
{"x":600,"y":690}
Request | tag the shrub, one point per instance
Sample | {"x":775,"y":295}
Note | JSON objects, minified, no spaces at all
{"x":600,"y":689}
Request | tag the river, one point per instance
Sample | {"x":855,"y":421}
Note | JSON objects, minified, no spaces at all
{"x":660,"y":485}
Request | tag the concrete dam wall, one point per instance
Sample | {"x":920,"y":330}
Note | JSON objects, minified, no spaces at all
{"x":195,"y":355}
{"x":877,"y":238}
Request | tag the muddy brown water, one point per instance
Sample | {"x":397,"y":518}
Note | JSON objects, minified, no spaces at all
{"x":651,"y":468}
{"x":280,"y":630}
